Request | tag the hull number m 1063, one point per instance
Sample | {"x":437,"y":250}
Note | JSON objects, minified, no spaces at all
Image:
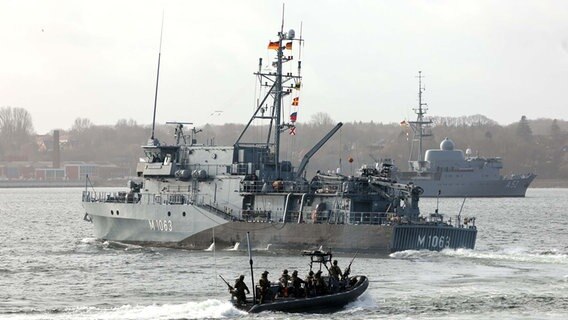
{"x":434,"y":242}
{"x":161,"y":225}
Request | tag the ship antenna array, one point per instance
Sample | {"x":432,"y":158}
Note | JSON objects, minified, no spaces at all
{"x":418,"y":126}
{"x":179,"y":131}
{"x":157,"y":81}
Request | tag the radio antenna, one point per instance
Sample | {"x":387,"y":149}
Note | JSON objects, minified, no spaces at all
{"x":157,"y":81}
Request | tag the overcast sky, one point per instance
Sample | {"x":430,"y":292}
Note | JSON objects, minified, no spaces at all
{"x":97,"y":59}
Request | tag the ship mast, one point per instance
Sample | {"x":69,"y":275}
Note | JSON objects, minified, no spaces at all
{"x":279,"y":86}
{"x":152,"y":140}
{"x":277,"y":110}
{"x":420,"y":126}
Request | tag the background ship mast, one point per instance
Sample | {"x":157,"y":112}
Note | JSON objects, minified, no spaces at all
{"x":420,"y":127}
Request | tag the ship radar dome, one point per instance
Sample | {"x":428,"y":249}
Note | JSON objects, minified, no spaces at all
{"x":447,"y":145}
{"x":291,"y":34}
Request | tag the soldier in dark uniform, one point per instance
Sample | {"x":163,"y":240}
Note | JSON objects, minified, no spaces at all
{"x":239,"y":290}
{"x":264,"y":286}
{"x":284,"y":279}
{"x":310,"y":290}
{"x":335,"y":271}
{"x":319,"y":283}
{"x":297,"y":290}
{"x":334,"y":277}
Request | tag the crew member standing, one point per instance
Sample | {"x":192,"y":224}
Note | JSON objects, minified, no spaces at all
{"x":239,"y":290}
{"x":335,"y":271}
{"x":264,"y":285}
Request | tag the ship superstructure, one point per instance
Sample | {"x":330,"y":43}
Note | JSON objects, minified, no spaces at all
{"x":447,"y":171}
{"x":192,"y":195}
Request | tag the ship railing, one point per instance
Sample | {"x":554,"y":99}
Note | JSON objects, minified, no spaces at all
{"x":369,"y":218}
{"x":112,"y":197}
{"x":131,"y":197}
{"x":283,"y":186}
{"x":464,"y":222}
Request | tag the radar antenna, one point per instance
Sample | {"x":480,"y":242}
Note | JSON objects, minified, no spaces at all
{"x":178,"y":133}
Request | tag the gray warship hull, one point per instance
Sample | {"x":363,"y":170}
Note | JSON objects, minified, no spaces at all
{"x":468,"y":187}
{"x":194,"y":228}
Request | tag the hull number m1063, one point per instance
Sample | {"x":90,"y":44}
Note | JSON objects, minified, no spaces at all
{"x":161,"y":225}
{"x":434,"y":242}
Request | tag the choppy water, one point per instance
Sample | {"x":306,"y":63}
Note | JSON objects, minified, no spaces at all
{"x":52,"y":268}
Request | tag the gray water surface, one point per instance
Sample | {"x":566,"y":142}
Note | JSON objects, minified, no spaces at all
{"x":51,"y":267}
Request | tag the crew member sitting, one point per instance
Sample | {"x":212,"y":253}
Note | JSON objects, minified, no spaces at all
{"x":320,"y":285}
{"x":297,"y":290}
{"x":310,"y":289}
{"x":284,"y":279}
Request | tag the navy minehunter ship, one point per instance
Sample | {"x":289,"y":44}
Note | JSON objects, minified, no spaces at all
{"x":447,"y":172}
{"x":192,"y":195}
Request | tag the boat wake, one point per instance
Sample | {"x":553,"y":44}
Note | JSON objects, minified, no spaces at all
{"x":112,"y":245}
{"x":89,"y":241}
{"x":211,"y":247}
{"x":510,"y":254}
{"x":233,"y":248}
{"x":121,"y":245}
{"x":264,"y":249}
{"x":208,"y":309}
{"x":363,"y":303}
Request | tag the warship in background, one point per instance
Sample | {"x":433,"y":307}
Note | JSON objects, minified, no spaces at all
{"x":447,"y":172}
{"x":194,"y":196}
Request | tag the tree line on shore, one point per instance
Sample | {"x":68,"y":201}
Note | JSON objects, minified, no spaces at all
{"x":539,"y":146}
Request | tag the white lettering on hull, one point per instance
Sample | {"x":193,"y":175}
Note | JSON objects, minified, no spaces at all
{"x":161,"y":225}
{"x":433,"y":242}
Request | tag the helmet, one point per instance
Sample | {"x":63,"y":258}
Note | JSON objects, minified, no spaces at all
{"x":334,"y":262}
{"x":295,"y":273}
{"x":311,"y":273}
{"x":241,"y":277}
{"x":285,"y":271}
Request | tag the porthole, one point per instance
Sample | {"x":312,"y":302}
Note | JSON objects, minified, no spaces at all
{"x":117,"y":212}
{"x":111,"y":212}
{"x":183,"y":214}
{"x":169,"y":213}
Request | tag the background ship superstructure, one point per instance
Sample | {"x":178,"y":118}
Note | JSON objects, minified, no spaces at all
{"x":447,"y":172}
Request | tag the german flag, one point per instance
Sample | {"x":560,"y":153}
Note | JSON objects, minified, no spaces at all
{"x":274,"y":45}
{"x":289,"y":45}
{"x":296,"y":101}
